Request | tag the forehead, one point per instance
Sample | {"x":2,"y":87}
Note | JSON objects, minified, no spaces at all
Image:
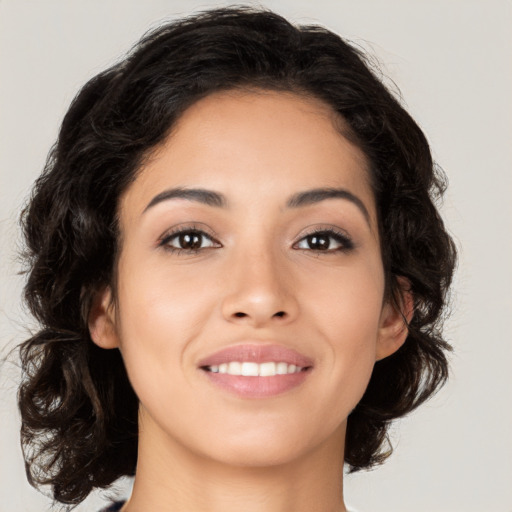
{"x":254,"y":146}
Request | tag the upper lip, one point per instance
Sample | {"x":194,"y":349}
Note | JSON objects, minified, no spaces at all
{"x":256,"y":353}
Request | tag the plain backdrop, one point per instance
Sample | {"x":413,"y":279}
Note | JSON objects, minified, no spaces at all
{"x":452,"y":62}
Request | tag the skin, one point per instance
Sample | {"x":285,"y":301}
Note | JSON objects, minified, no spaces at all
{"x":258,"y":279}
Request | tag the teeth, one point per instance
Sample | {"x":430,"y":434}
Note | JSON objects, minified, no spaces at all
{"x":235,"y":368}
{"x":281,"y":368}
{"x":248,"y":369}
{"x":267,"y":369}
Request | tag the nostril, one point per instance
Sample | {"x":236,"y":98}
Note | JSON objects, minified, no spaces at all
{"x":241,"y":314}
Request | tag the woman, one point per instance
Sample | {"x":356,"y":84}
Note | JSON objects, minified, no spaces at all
{"x":239,"y":272}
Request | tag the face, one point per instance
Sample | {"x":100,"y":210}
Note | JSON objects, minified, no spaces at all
{"x":249,"y":310}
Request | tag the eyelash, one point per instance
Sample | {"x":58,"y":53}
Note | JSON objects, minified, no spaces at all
{"x":346,"y":244}
{"x":166,"y":239}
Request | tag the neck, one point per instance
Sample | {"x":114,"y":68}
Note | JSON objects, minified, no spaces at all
{"x":171,"y":478}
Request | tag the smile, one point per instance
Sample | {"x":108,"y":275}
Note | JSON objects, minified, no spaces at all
{"x":256,"y":370}
{"x":249,"y":369}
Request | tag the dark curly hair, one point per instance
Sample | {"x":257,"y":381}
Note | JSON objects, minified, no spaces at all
{"x":78,"y":409}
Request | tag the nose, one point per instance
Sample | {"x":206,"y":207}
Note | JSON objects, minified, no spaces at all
{"x":259,"y":291}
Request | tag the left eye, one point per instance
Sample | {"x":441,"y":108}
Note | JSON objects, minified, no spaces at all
{"x":190,"y":240}
{"x":325,"y":241}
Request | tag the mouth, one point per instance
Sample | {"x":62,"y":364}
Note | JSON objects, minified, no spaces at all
{"x":256,"y":370}
{"x":251,"y":369}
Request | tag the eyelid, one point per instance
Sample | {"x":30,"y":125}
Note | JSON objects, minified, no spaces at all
{"x":335,"y":232}
{"x":194,"y":227}
{"x":338,"y":234}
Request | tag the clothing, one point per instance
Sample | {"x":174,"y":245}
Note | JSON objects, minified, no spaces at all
{"x":115,"y":507}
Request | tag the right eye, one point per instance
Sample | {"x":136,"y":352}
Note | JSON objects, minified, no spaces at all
{"x":188,"y":240}
{"x":327,"y":241}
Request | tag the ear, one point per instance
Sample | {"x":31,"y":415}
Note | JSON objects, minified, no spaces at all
{"x":394,"y":320}
{"x":101,"y":320}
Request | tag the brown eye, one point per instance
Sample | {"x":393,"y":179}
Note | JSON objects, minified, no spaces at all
{"x":188,"y":240}
{"x":318,"y":242}
{"x":326,"y":241}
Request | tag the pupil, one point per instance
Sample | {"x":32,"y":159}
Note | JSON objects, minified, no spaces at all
{"x":190,"y":240}
{"x":318,"y":242}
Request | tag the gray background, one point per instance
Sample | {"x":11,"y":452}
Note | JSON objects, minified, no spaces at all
{"x":452,"y":61}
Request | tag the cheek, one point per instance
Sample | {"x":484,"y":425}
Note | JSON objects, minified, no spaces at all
{"x":159,"y":315}
{"x":346,"y":313}
{"x":158,"y":302}
{"x":347,"y":302}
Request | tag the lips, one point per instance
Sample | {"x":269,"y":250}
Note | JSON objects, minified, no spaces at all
{"x":256,"y":370}
{"x":257,"y":353}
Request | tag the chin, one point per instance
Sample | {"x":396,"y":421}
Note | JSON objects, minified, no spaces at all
{"x":271,"y":447}
{"x":259,"y":456}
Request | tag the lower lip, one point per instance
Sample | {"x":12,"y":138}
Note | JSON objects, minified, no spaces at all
{"x":258,"y":387}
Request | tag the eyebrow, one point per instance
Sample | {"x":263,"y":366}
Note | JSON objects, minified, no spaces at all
{"x":200,"y":195}
{"x":321,"y":194}
{"x":218,"y":200}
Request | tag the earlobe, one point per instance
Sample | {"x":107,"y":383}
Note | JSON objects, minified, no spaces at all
{"x":394,"y":321}
{"x":101,"y":320}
